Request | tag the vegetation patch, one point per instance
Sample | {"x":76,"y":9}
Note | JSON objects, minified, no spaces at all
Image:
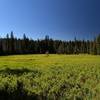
{"x":56,"y":77}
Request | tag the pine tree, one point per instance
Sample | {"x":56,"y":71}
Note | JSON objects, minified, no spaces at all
{"x":98,"y":44}
{"x":12,"y":51}
{"x":1,"y":47}
{"x":94,"y":48}
{"x":7,"y":43}
{"x":61,"y":49}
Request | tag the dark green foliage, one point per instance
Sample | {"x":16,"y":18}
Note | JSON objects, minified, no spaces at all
{"x":55,"y":83}
{"x":98,"y":44}
{"x":14,"y":84}
{"x":12,"y":45}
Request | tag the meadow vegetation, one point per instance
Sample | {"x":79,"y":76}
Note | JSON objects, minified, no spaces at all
{"x":53,"y":77}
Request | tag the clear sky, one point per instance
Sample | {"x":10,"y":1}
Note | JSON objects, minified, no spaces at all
{"x":60,"y":19}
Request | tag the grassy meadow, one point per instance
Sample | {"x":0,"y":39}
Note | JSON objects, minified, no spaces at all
{"x":53,"y":77}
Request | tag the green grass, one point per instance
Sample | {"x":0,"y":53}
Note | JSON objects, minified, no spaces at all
{"x":56,"y":77}
{"x":43,"y":61}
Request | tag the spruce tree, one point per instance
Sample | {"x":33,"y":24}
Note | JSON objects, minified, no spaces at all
{"x":98,"y":44}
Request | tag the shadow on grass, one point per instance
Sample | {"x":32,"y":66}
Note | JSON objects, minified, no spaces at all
{"x":18,"y":72}
{"x":19,"y":93}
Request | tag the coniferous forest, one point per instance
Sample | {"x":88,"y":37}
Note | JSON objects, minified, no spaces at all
{"x":53,"y":77}
{"x":12,"y":45}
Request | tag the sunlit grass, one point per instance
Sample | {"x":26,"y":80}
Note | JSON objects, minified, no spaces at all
{"x":43,"y":60}
{"x":56,"y":77}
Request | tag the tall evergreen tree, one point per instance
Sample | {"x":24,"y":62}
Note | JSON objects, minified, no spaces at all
{"x":98,"y":44}
{"x":12,"y":45}
{"x":12,"y":51}
{"x":94,"y":48}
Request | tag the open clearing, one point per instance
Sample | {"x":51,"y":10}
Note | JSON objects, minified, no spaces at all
{"x":56,"y":77}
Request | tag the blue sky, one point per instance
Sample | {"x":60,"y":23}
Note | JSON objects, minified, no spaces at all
{"x":60,"y":19}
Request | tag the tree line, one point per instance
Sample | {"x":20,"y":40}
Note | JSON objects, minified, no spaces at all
{"x":12,"y":45}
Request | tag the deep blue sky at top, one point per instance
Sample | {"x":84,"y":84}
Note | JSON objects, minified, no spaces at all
{"x":60,"y":19}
